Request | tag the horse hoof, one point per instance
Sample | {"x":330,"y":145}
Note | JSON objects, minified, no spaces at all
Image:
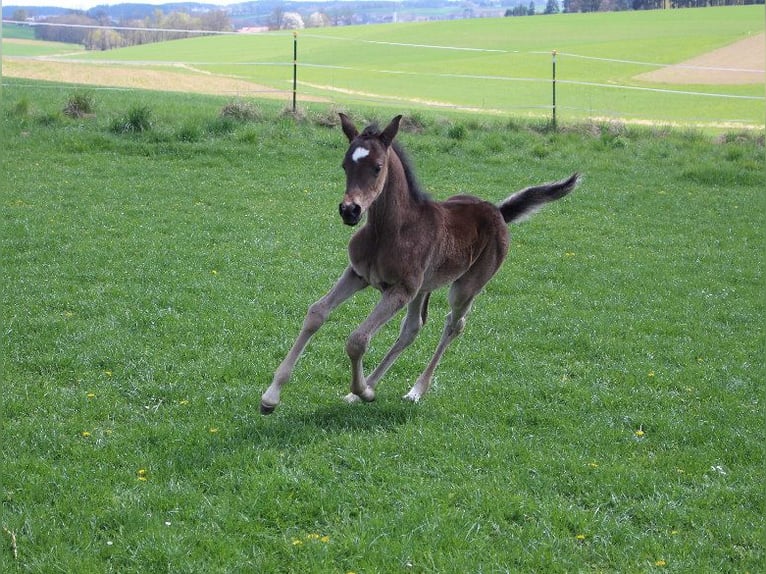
{"x":413,"y":397}
{"x":351,"y":399}
{"x":367,"y":396}
{"x":267,"y":409}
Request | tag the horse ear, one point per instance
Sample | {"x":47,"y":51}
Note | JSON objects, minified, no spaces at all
{"x":388,"y":135}
{"x":348,"y":127}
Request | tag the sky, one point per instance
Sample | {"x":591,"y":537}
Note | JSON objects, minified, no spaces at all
{"x":87,"y":4}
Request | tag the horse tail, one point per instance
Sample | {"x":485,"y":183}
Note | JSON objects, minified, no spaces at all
{"x":424,"y":309}
{"x":525,"y":203}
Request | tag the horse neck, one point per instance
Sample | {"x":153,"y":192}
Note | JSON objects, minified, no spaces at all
{"x":395,"y":203}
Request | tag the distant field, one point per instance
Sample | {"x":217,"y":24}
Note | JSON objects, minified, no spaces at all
{"x":490,"y":65}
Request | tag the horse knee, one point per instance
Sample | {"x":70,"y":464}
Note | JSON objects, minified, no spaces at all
{"x":356,"y":345}
{"x":315,"y":318}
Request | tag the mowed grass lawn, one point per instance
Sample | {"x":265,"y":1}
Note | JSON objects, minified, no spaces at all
{"x":602,"y":412}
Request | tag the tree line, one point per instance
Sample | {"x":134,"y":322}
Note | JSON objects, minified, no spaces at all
{"x":97,"y":32}
{"x":571,"y":6}
{"x":96,"y":29}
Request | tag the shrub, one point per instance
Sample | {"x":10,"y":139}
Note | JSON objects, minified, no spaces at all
{"x":457,"y":132}
{"x":137,"y":120}
{"x":79,"y":105}
{"x":242,"y":111}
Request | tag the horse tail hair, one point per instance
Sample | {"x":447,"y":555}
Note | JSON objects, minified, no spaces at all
{"x":424,"y":309}
{"x":525,"y":203}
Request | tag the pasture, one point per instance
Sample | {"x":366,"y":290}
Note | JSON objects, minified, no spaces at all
{"x":498,"y":66}
{"x":602,"y":412}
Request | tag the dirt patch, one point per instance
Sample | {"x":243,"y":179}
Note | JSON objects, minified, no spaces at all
{"x":139,"y":78}
{"x":738,"y":63}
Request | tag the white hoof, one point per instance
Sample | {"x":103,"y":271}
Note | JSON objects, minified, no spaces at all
{"x":367,"y":396}
{"x":412,"y":396}
{"x":351,"y":399}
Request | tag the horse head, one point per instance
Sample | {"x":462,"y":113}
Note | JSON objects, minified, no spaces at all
{"x":366,"y":167}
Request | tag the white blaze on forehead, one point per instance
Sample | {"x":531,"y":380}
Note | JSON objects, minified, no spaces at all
{"x":359,"y":153}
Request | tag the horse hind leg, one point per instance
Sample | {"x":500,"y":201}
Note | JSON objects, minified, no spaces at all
{"x":460,"y":300}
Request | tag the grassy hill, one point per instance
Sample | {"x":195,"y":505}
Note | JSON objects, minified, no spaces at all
{"x":493,"y":64}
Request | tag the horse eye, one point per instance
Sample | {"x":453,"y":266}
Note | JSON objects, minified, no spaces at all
{"x":378,"y":168}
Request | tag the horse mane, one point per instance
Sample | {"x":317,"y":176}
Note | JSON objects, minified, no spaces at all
{"x":416,"y":190}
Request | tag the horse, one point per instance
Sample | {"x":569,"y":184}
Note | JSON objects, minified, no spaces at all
{"x":409,"y":246}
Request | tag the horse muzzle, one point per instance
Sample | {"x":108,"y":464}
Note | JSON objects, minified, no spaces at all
{"x":351,"y":213}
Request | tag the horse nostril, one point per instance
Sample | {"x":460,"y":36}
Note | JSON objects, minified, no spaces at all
{"x":350,"y":212}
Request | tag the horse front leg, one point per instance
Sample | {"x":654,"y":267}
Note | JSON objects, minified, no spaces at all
{"x":411,"y":325}
{"x":348,"y":284}
{"x":392,"y":301}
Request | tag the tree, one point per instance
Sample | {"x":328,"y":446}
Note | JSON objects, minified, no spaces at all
{"x":275,"y":21}
{"x":292,"y":21}
{"x":215,"y":21}
{"x":531,"y":9}
{"x":71,"y":30}
{"x":318,"y":20}
{"x":552,"y":7}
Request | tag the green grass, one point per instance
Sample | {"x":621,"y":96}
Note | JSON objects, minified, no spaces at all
{"x":602,"y":412}
{"x":388,"y":64}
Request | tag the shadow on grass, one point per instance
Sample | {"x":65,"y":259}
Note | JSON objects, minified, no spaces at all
{"x":296,"y":426}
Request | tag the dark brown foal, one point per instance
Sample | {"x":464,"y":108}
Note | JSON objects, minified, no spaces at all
{"x":409,"y":246}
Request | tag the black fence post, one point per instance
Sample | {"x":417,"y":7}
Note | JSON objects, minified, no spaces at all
{"x":554,"y":90}
{"x":295,"y":70}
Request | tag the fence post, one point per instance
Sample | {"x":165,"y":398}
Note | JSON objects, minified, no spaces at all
{"x":554,"y":90}
{"x":295,"y":69}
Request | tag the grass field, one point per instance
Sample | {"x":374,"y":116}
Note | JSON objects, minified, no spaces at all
{"x":603,"y":411}
{"x":504,"y":66}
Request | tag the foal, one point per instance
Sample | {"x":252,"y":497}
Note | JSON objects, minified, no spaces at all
{"x":410,"y":246}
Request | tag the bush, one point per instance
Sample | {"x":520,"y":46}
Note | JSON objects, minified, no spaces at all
{"x":457,"y":132}
{"x":242,"y":111}
{"x":79,"y":105}
{"x":137,"y":120}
